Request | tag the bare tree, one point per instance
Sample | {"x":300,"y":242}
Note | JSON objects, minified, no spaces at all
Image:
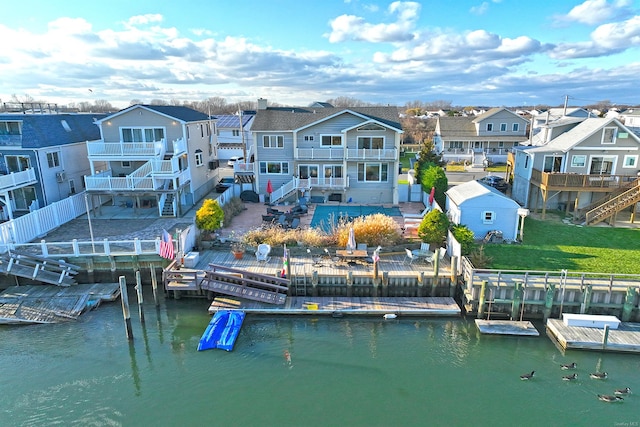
{"x":102,"y":106}
{"x":157,"y":101}
{"x":345,"y":101}
{"x":135,"y":102}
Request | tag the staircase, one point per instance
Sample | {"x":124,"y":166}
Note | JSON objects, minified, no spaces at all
{"x":45,"y":270}
{"x":167,"y":208}
{"x":628,"y":197}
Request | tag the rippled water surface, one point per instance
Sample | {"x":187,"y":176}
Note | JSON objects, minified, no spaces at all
{"x":343,"y":372}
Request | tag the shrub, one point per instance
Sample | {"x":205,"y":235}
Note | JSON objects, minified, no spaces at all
{"x":232,"y":208}
{"x":373,"y":230}
{"x":465,"y":237}
{"x":433,"y":228}
{"x":275,"y":235}
{"x":209,"y":216}
{"x":479,"y":259}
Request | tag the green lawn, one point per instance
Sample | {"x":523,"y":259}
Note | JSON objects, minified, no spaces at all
{"x":555,"y":246}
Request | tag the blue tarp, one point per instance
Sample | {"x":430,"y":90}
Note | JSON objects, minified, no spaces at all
{"x":222,"y":331}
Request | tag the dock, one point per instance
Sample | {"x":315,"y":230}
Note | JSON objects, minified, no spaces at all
{"x":344,"y":306}
{"x":506,"y":327}
{"x":51,"y":303}
{"x":626,"y":338}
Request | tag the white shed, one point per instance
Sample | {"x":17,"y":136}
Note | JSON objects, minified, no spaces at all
{"x":483,"y":209}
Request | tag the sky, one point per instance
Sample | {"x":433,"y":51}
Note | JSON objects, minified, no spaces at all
{"x":466,"y":52}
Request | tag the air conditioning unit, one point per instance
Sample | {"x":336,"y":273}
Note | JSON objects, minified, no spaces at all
{"x":60,"y":176}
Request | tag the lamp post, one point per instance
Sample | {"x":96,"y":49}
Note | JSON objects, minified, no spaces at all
{"x":522,"y":213}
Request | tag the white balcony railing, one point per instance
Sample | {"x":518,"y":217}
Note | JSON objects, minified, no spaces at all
{"x":122,"y":150}
{"x":346,"y":153}
{"x":244,"y":167}
{"x":322,"y":182}
{"x":17,"y":179}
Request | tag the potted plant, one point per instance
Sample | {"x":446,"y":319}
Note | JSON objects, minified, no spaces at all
{"x":237,"y":249}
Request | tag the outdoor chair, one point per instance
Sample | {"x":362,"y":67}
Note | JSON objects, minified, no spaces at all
{"x":262,"y":254}
{"x":409,"y":258}
{"x":295,"y":223}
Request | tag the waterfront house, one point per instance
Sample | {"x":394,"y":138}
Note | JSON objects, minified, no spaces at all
{"x":482,"y":209}
{"x":43,"y":157}
{"x":325,"y":153}
{"x":158,"y":156}
{"x":590,"y":168}
{"x":234,"y":135}
{"x":479,"y":140}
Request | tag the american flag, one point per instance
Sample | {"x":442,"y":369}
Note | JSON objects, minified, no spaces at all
{"x":166,"y":245}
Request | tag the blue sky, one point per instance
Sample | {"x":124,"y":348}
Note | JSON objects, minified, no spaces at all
{"x":469,"y":53}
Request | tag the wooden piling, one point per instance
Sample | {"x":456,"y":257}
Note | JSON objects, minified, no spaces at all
{"x":586,"y":299}
{"x":548,"y":300}
{"x":125,"y":307}
{"x":627,"y":308}
{"x":154,"y":284}
{"x":517,"y":299}
{"x":454,"y":276}
{"x":314,"y":283}
{"x":482,"y":298}
{"x":385,"y":283}
{"x":139,"y":295}
{"x":349,"y":284}
{"x":605,"y":336}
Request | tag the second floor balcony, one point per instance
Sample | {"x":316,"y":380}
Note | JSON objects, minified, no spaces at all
{"x":16,"y":180}
{"x":341,"y":153}
{"x":580,"y":182}
{"x":323,"y":182}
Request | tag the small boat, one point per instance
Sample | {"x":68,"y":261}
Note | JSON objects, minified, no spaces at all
{"x":570,"y":377}
{"x":222,"y":331}
{"x":598,"y":375}
{"x":622,"y":391}
{"x":526,"y":377}
{"x":608,"y":398}
{"x":569,"y":366}
{"x":390,"y":316}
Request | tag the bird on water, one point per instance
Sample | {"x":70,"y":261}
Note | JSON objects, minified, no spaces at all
{"x":569,"y":366}
{"x":570,"y":377}
{"x":598,"y":375}
{"x":525,"y":377}
{"x":621,"y":391}
{"x":608,"y":398}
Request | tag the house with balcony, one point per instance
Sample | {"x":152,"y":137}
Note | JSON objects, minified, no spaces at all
{"x":156,"y":156}
{"x":591,"y":169}
{"x":481,"y":139}
{"x":325,"y":153}
{"x":43,"y":157}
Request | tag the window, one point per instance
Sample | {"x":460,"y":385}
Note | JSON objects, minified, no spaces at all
{"x":578,"y":161}
{"x":503,"y":127}
{"x":630,"y":161}
{"x":601,"y":165}
{"x":17,"y":163}
{"x":515,"y":127}
{"x":333,"y":171}
{"x":308,"y":171}
{"x":488,"y":217}
{"x":273,"y":141}
{"x":142,"y":134}
{"x":373,"y":172}
{"x":126,"y":165}
{"x":53,"y":159}
{"x":235,"y":132}
{"x":331,"y":140}
{"x":609,"y":135}
{"x":370,"y":142}
{"x":489,"y":127}
{"x":500,"y":144}
{"x":308,"y":138}
{"x":455,"y":144}
{"x":199,"y":159}
{"x":274,"y":168}
{"x":552,"y":164}
{"x":526,"y":162}
{"x":9,"y":128}
{"x":72,"y":187}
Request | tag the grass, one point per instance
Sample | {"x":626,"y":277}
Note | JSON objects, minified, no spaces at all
{"x":405,"y":160}
{"x":555,"y":246}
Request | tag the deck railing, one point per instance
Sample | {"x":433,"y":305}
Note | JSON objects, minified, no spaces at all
{"x":125,"y":149}
{"x":574,"y":180}
{"x":17,"y":179}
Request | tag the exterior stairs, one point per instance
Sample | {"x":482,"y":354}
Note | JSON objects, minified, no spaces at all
{"x":167,"y":208}
{"x":613,"y":205}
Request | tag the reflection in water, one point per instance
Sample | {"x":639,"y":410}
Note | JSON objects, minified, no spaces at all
{"x":135,"y":372}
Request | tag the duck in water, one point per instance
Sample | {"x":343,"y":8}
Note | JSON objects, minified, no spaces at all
{"x":622,"y":391}
{"x":607,"y":398}
{"x":570,"y":377}
{"x":598,"y":375}
{"x":569,"y":366}
{"x":526,"y":377}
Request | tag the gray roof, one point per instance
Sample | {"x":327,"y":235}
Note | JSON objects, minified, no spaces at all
{"x":183,"y":114}
{"x":470,"y":190}
{"x":292,"y":118}
{"x":464,"y":129}
{"x":48,"y":130}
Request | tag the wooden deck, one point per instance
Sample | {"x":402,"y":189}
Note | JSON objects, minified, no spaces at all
{"x":52,"y":304}
{"x":343,"y":306}
{"x":506,"y":327}
{"x":624,"y":339}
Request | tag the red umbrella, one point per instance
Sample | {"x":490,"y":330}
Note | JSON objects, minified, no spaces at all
{"x":431,"y":195}
{"x":269,"y":187}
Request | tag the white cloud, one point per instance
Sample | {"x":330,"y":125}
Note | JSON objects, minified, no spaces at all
{"x":481,"y":9}
{"x":593,"y":12}
{"x":351,"y":27}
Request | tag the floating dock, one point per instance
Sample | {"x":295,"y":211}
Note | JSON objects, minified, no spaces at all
{"x":343,"y":306}
{"x":626,"y":338}
{"x":52,"y":304}
{"x":506,"y":327}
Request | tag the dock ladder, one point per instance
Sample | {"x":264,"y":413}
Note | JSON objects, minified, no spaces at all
{"x":300,"y":282}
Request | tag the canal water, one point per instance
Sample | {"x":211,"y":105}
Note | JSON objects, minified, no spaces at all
{"x":341,"y":372}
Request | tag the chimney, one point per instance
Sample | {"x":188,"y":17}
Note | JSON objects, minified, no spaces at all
{"x":262,"y":104}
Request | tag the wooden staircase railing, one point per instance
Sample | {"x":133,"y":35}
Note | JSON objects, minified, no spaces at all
{"x":614,"y":205}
